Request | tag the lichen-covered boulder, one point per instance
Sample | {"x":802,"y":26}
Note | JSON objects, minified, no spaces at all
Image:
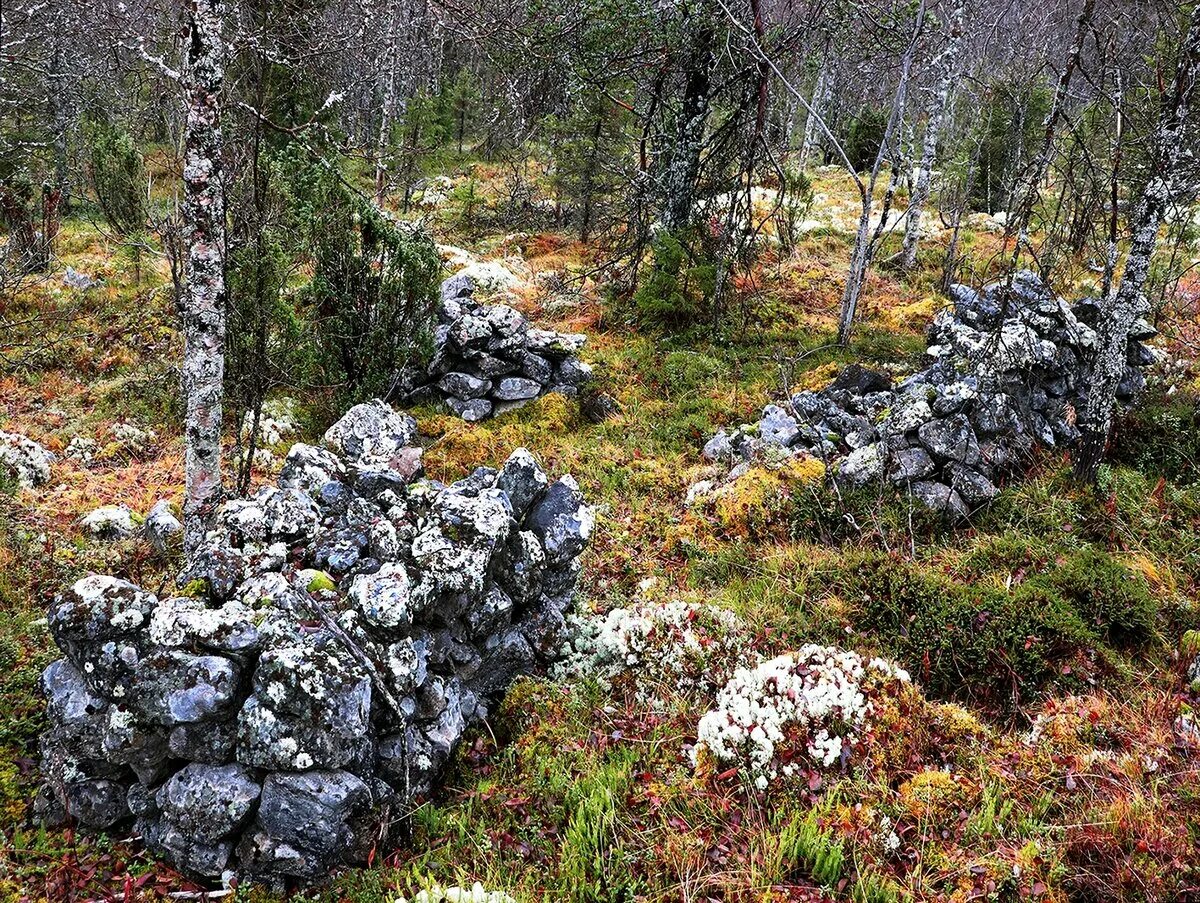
{"x":27,"y":461}
{"x":329,"y":646}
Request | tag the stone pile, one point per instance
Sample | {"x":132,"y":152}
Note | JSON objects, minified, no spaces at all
{"x":488,"y":359}
{"x":335,"y":637}
{"x":24,"y":459}
{"x":1008,"y":371}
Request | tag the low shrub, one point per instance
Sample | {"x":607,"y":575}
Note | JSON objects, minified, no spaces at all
{"x":1107,"y":595}
{"x":974,"y":642}
{"x":1161,"y":436}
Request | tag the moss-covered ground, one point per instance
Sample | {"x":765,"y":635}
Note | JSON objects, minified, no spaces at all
{"x":1044,"y":757}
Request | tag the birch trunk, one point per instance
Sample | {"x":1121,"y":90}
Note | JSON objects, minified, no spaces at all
{"x":1120,"y":311}
{"x":203,"y":303}
{"x":388,"y":110}
{"x":864,"y":244}
{"x":693,"y":121}
{"x":812,"y":130}
{"x":933,"y":129}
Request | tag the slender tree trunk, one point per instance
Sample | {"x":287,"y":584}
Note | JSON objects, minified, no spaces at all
{"x":589,"y":184}
{"x":684,"y":166}
{"x":864,"y":245}
{"x":820,"y":98}
{"x":388,"y":110}
{"x":1018,"y":224}
{"x":1120,"y":311}
{"x":59,"y":112}
{"x":933,"y":129}
{"x":203,"y":307}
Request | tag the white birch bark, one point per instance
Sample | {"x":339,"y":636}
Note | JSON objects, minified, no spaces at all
{"x":203,"y":302}
{"x":864,"y":244}
{"x":1120,"y":311}
{"x":948,"y":63}
{"x":820,"y":99}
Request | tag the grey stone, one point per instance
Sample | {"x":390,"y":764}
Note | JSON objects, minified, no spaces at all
{"x":522,"y":480}
{"x":537,"y":368}
{"x":719,"y":449}
{"x":371,"y":433}
{"x":308,"y":823}
{"x":910,"y":464}
{"x":554,"y":345}
{"x":861,"y":467}
{"x":974,"y":488}
{"x":950,"y":439}
{"x":175,"y":687}
{"x":471,"y":411}
{"x":310,"y":709}
{"x":161,"y":525}
{"x":777,"y":427}
{"x":572,"y":372}
{"x":940,"y":499}
{"x":208,"y":802}
{"x":516,"y":388}
{"x":465,"y":386}
{"x":310,"y":468}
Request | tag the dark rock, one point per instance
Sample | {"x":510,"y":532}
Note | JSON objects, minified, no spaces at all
{"x":861,"y":380}
{"x":465,"y":386}
{"x":208,"y":802}
{"x":537,"y":368}
{"x":910,"y":464}
{"x":516,"y":388}
{"x":561,"y":521}
{"x":309,"y":823}
{"x":974,"y":488}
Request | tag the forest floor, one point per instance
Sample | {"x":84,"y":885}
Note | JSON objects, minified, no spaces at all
{"x":1028,"y":766}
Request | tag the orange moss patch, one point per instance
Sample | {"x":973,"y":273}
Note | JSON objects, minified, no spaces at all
{"x":74,"y":490}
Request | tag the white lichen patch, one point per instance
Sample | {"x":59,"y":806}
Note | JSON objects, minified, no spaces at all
{"x":677,"y":645}
{"x":808,"y":708}
{"x":473,"y":894}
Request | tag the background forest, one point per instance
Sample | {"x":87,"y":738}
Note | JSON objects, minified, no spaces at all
{"x":224,"y":223}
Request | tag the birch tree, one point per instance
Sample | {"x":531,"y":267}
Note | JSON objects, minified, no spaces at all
{"x":1120,"y":310}
{"x":864,"y":242}
{"x":202,"y":305}
{"x":947,"y":64}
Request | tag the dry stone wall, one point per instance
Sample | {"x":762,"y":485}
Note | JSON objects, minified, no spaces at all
{"x":338,"y":634}
{"x":489,"y":359}
{"x":1008,"y":371}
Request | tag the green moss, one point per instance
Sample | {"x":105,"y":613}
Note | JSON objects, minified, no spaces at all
{"x":321,"y":582}
{"x":1108,"y":596}
{"x":966,"y":641}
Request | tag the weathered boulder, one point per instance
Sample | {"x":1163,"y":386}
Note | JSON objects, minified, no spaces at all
{"x":27,"y":461}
